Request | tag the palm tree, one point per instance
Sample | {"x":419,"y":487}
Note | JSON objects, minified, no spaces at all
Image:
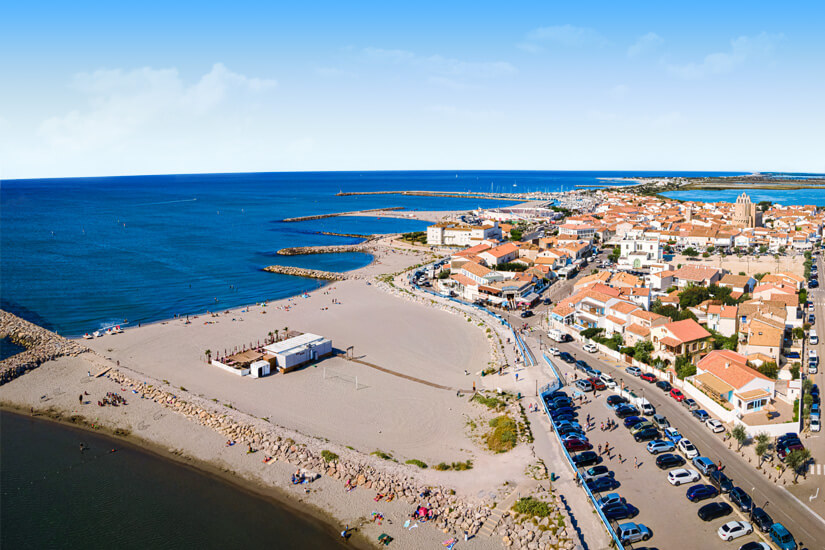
{"x":286,"y":332}
{"x":796,"y":460}
{"x":739,"y":434}
{"x":276,"y":334}
{"x":208,"y":354}
{"x":270,"y":336}
{"x":763,"y":444}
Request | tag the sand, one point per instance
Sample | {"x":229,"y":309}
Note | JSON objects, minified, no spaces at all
{"x":751,"y":265}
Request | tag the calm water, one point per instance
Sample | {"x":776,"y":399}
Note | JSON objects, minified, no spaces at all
{"x":81,"y":254}
{"x":797,"y":196}
{"x":55,"y":497}
{"x":9,"y":348}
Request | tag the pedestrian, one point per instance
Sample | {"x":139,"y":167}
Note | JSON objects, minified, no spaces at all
{"x":474,"y":386}
{"x":620,"y":457}
{"x":81,"y":399}
{"x":466,"y":536}
{"x":89,"y":373}
{"x":600,"y":448}
{"x":636,"y":462}
{"x":601,"y":426}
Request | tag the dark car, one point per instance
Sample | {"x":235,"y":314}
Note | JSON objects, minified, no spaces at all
{"x":602,"y":484}
{"x":570,"y":417}
{"x":526,"y":313}
{"x":815,"y":391}
{"x":560,"y":402}
{"x":646,"y":434}
{"x":586,"y":458}
{"x":577,"y":444}
{"x":555,"y":394}
{"x":581,"y":365}
{"x":648,"y":377}
{"x":701,"y":492}
{"x":701,"y":414}
{"x":742,"y":499}
{"x":563,"y":411}
{"x":615,"y":400}
{"x":761,"y":519}
{"x":714,"y":510}
{"x":721,"y":481}
{"x":619,"y":511}
{"x":669,"y":460}
{"x":664,"y":385}
{"x":564,"y":431}
{"x":566,"y":357}
{"x":813,"y":284}
{"x":631,"y":421}
{"x":623,"y":411}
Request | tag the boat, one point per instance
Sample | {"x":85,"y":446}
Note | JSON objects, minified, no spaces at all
{"x":87,"y":336}
{"x":97,"y":334}
{"x":117,"y":330}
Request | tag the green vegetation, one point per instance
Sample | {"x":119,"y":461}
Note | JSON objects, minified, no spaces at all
{"x":769,"y":369}
{"x":416,"y":462}
{"x":799,"y":333}
{"x":511,"y":266}
{"x":724,"y":342}
{"x":504,"y":434}
{"x":381,"y":454}
{"x":615,"y":254}
{"x":415,"y":237}
{"x":532,"y":507}
{"x":796,"y":460}
{"x":515,"y":234}
{"x":444,"y":274}
{"x":328,"y":456}
{"x":614,"y":342}
{"x":671,"y":311}
{"x":691,"y":252}
{"x":589,"y":333}
{"x":695,"y":295}
{"x":684,"y":367}
{"x":457,"y":466}
{"x":490,"y":402}
{"x":764,"y":206}
{"x":763,"y":445}
{"x":795,"y":368}
{"x":739,"y":434}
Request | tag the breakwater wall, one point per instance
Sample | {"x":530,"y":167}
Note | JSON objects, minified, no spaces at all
{"x":335,"y":214}
{"x":351,"y":235}
{"x":329,"y":249}
{"x":41,"y":346}
{"x":309,"y":273}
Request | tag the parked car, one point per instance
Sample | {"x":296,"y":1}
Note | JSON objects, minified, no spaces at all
{"x":602,"y":484}
{"x":560,"y":403}
{"x":688,"y":448}
{"x":610,"y":498}
{"x":625,"y":410}
{"x":590,"y":347}
{"x":661,"y":421}
{"x":583,"y":385}
{"x":648,"y":377}
{"x":677,"y":394}
{"x":647,"y":408}
{"x":702,"y":415}
{"x":597,"y":383}
{"x":704,"y":464}
{"x":815,"y":424}
{"x":669,"y":460}
{"x":525,"y":314}
{"x":582,"y":366}
{"x":714,"y":510}
{"x":721,"y":481}
{"x":664,"y":385}
{"x":660,"y":446}
{"x":566,"y":357}
{"x":615,"y":400}
{"x":608,"y":380}
{"x":742,"y":499}
{"x":554,"y":352}
{"x":635,"y":371}
{"x":567,"y":432}
{"x":646,"y":434}
{"x":555,"y":414}
{"x":701,"y":492}
{"x":755,"y":545}
{"x":641,"y":425}
{"x":782,"y":537}
{"x":734,"y":529}
{"x":596,"y":472}
{"x":619,"y":511}
{"x":577,"y":444}
{"x":673,"y":434}
{"x":629,"y":533}
{"x":714,"y":425}
{"x":690,"y":404}
{"x":761,"y":519}
{"x":586,"y":458}
{"x":682,"y":475}
{"x":631,"y":421}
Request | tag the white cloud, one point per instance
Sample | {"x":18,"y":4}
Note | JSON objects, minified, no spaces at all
{"x":741,"y":50}
{"x":644,"y":44}
{"x":440,"y":65}
{"x":562,"y":35}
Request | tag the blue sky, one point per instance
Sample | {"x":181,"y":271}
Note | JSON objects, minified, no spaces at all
{"x":106,"y":89}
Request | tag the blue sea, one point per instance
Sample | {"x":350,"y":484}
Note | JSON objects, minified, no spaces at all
{"x":790,"y":197}
{"x":85,"y":253}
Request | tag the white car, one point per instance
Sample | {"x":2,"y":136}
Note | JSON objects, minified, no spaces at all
{"x":714,"y":425}
{"x":688,"y":448}
{"x":816,"y":424}
{"x":590,"y":347}
{"x":608,"y":380}
{"x":682,"y":475}
{"x":555,"y":352}
{"x":735,"y":529}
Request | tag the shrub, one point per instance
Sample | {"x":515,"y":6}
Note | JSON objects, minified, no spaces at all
{"x":442,"y":466}
{"x":532,"y":507}
{"x":459,"y":466}
{"x":489,"y":402}
{"x":769,"y":369}
{"x":504,"y":434}
{"x":381,"y":454}
{"x":328,"y":456}
{"x":416,"y":462}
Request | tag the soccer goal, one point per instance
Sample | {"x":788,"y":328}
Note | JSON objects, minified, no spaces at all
{"x":348,"y":379}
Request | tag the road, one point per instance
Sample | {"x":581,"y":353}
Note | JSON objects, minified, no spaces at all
{"x":783,"y":507}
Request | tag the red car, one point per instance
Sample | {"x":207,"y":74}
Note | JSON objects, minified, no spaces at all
{"x":597,"y":383}
{"x":648,"y":377}
{"x":677,"y":394}
{"x":575,"y":444}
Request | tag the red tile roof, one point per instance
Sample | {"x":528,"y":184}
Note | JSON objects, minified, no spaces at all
{"x":687,"y":330}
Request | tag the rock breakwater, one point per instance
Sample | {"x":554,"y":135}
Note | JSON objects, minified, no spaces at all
{"x":309,"y":273}
{"x":328,"y":249}
{"x":333,"y":215}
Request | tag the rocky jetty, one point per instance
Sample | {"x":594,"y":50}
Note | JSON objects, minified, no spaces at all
{"x":309,"y":273}
{"x":329,"y":249}
{"x":333,"y":215}
{"x":41,"y":345}
{"x":352,"y":235}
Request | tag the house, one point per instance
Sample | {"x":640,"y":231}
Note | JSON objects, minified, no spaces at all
{"x":677,"y":338}
{"x":726,"y":376}
{"x":694,"y":275}
{"x":454,"y":234}
{"x":590,"y":280}
{"x":640,"y":252}
{"x":580,"y":231}
{"x":640,"y":324}
{"x":295,"y":352}
{"x":501,"y":254}
{"x":742,"y":284}
{"x":763,"y":336}
{"x":723,"y":319}
{"x":639,"y":296}
{"x":784,"y":278}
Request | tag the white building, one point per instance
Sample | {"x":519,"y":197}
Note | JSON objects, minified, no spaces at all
{"x":454,"y":234}
{"x":291,"y":353}
{"x":640,"y":252}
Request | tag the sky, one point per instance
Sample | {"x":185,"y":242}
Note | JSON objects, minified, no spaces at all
{"x":116,"y":88}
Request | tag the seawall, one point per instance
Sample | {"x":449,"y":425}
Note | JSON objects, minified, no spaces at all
{"x":335,"y":214}
{"x":309,"y":273}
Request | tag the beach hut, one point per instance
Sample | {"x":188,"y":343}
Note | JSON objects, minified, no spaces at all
{"x":259,"y":369}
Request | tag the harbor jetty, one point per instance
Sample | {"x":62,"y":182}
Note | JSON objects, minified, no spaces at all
{"x":329,"y":249}
{"x":442,"y":194}
{"x":335,"y":214}
{"x":351,"y":235}
{"x":309,"y":273}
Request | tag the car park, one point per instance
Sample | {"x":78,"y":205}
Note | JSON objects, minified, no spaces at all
{"x":611,"y":498}
{"x":569,"y":416}
{"x":687,"y":448}
{"x":703,"y":464}
{"x":701,"y":492}
{"x":669,"y":460}
{"x":631,"y":421}
{"x":619,"y":511}
{"x":596,"y":472}
{"x":702,"y":415}
{"x":629,"y":533}
{"x":690,"y":404}
{"x":714,"y":510}
{"x":646,"y":434}
{"x":761,"y":519}
{"x":590,"y":348}
{"x":664,"y":385}
{"x":625,"y":410}
{"x":677,"y":394}
{"x":597,"y":383}
{"x":608,"y":381}
{"x":734,"y":529}
{"x":673,"y":434}
{"x":660,"y":446}
{"x":681,"y":476}
{"x":586,"y":458}
{"x":635,"y":371}
{"x":721,"y":481}
{"x":714,"y":425}
{"x":615,"y":400}
{"x":563,"y":424}
{"x":741,"y":499}
{"x":583,"y":385}
{"x":661,"y":421}
{"x":577,"y":444}
{"x":780,"y":536}
{"x":602,"y":484}
{"x":566,"y":357}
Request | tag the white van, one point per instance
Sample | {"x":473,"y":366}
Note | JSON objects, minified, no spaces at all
{"x":813,"y":339}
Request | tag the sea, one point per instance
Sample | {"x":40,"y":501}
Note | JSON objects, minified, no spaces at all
{"x":784,"y":197}
{"x":86,"y":253}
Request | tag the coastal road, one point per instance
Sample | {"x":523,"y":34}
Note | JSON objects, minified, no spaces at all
{"x":784,"y":507}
